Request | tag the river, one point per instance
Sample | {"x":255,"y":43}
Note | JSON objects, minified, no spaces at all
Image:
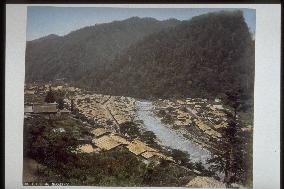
{"x":168,"y":137}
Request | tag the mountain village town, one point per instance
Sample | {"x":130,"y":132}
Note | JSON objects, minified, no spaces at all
{"x":198,"y":120}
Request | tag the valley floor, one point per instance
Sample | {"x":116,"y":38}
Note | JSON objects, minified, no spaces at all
{"x":105,"y":123}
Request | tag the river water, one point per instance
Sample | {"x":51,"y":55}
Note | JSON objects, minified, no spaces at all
{"x":167,"y":136}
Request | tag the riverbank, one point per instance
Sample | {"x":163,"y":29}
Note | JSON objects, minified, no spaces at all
{"x":167,"y":136}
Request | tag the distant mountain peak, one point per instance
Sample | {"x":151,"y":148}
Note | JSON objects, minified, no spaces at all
{"x":48,"y":37}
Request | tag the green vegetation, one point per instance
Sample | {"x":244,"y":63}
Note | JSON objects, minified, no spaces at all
{"x":87,"y":51}
{"x":60,"y":103}
{"x":161,"y":113}
{"x":180,"y":156}
{"x":202,"y":57}
{"x":235,"y":158}
{"x":50,"y":96}
{"x":131,"y":129}
{"x":209,"y":56}
{"x":167,"y":119}
{"x":149,"y":137}
{"x":166,"y":174}
{"x":145,"y":58}
{"x":55,"y":151}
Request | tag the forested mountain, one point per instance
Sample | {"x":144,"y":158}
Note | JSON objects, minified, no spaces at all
{"x":205,"y":56}
{"x":89,"y":49}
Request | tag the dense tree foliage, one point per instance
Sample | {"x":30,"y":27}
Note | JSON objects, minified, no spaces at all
{"x":50,"y":96}
{"x":118,"y":167}
{"x":131,"y":129}
{"x":86,"y":51}
{"x":235,"y":156}
{"x":149,"y":137}
{"x":60,"y":102}
{"x":204,"y":56}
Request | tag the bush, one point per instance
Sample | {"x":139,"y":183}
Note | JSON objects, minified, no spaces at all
{"x":130,"y":128}
{"x":149,"y":137}
{"x":180,"y":156}
{"x":167,"y":119}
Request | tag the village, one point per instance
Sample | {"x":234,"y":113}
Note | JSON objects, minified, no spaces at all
{"x":107,"y":111}
{"x":199,"y":120}
{"x":195,"y":118}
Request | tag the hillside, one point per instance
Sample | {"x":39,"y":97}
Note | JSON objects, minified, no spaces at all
{"x":87,"y":50}
{"x":205,"y":56}
{"x":202,"y":57}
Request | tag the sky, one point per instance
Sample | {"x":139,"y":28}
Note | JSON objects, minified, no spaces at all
{"x":43,"y":21}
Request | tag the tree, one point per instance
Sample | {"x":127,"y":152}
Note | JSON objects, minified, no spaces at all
{"x":130,"y":129}
{"x":149,"y":137}
{"x":180,"y":156}
{"x":60,"y":103}
{"x":72,"y":106}
{"x":233,"y":155}
{"x":50,"y":97}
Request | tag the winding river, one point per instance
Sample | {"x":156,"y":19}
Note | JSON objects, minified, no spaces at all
{"x":167,"y":136}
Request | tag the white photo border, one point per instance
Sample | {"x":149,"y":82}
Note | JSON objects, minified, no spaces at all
{"x":266,"y":145}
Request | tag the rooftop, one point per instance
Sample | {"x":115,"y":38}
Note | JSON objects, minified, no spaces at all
{"x":119,"y":139}
{"x":137,"y":147}
{"x":99,"y":131}
{"x":87,"y":148}
{"x":205,"y":182}
{"x":47,"y":108}
{"x":106,"y":143}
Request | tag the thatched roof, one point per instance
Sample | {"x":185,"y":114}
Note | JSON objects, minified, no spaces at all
{"x":205,"y":182}
{"x":119,"y":139}
{"x":99,"y":131}
{"x":137,"y":147}
{"x":87,"y":148}
{"x":148,"y":155}
{"x":47,"y":108}
{"x":65,"y":111}
{"x":106,"y":143}
{"x":28,"y":109}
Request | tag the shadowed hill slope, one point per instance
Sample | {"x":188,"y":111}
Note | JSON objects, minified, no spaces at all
{"x":89,"y":49}
{"x":205,"y":56}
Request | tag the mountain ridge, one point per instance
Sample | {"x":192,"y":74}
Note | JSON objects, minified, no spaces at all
{"x":206,"y":55}
{"x":86,"y":49}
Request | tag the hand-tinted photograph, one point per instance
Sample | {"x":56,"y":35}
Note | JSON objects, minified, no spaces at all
{"x":156,"y":97}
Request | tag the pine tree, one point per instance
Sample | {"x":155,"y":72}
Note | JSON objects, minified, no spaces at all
{"x":72,"y":108}
{"x":231,"y":159}
{"x":60,"y":103}
{"x":50,"y":97}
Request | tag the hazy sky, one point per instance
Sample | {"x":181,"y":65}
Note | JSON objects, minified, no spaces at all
{"x":42,"y":21}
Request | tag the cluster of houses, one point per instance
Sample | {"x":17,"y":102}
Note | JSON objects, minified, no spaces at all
{"x":48,"y":110}
{"x":40,"y":89}
{"x":89,"y":106}
{"x":105,"y":140}
{"x":105,"y":109}
{"x":121,"y":108}
{"x":207,"y":117}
